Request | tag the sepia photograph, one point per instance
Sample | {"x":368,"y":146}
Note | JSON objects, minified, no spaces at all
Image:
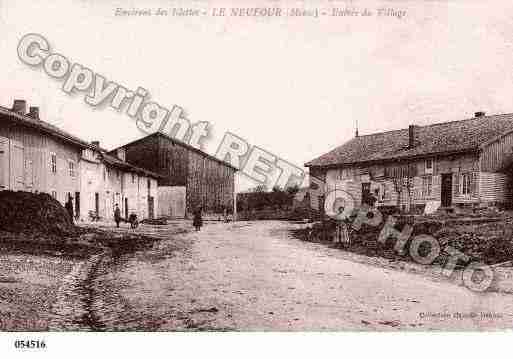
{"x":215,"y":175}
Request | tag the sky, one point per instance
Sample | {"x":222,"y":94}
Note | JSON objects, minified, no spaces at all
{"x":294,"y":86}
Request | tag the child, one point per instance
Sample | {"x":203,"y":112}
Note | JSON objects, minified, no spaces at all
{"x":197,"y":221}
{"x":342,"y":234}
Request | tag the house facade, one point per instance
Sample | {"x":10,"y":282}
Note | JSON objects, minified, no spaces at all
{"x":38,"y":157}
{"x":460,"y":163}
{"x":190,"y":178}
{"x":108,"y":180}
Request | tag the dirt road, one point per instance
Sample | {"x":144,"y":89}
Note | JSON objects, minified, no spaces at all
{"x":255,"y":276}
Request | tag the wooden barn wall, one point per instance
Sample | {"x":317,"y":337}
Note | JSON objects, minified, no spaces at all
{"x":497,"y":156}
{"x":210,"y":184}
{"x":35,"y":161}
{"x":143,"y":153}
{"x":173,"y":160}
{"x":494,"y":187}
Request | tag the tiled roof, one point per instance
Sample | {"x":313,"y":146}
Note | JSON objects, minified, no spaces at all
{"x":118,"y":163}
{"x":449,"y":137}
{"x":42,"y":126}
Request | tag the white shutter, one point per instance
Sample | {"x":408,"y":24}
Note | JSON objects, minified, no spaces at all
{"x":4,"y":164}
{"x":29,"y":173}
{"x":17,"y":165}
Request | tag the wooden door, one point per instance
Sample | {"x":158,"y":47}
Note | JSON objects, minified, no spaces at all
{"x":4,"y":164}
{"x":151,"y":207}
{"x":97,"y":203}
{"x":446,"y":191}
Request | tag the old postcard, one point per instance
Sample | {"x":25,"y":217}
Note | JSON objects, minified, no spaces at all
{"x":254,"y":166}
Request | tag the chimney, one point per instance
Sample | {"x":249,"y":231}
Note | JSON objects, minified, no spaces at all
{"x":19,"y":106}
{"x":34,"y":112}
{"x":480,"y":114}
{"x":95,"y":143}
{"x":121,"y":153}
{"x":411,"y":136}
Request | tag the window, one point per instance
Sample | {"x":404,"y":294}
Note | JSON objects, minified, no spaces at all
{"x":133,"y":178}
{"x":429,"y":165}
{"x":385,"y":195}
{"x":427,"y":186}
{"x":53,"y":162}
{"x":71,"y":167}
{"x":104,"y":175}
{"x":466,"y":183}
{"x":54,"y":194}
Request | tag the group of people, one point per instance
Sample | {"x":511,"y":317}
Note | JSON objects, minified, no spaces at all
{"x":197,"y":221}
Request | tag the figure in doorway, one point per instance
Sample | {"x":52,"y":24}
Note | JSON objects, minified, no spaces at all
{"x":69,"y":207}
{"x":117,"y":215}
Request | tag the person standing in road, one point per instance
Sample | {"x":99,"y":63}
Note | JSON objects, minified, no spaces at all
{"x":342,"y":233}
{"x":197,"y":220}
{"x":117,"y":215}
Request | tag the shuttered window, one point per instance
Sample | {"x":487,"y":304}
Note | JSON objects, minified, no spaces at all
{"x":4,"y":164}
{"x":71,"y":168}
{"x":467,"y":180}
{"x":427,"y":186}
{"x":456,"y":185}
{"x":18,"y":164}
{"x":53,"y":162}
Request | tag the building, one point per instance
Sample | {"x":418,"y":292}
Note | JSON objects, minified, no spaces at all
{"x":107,"y":181}
{"x":190,"y":178}
{"x":38,"y":157}
{"x":460,"y":163}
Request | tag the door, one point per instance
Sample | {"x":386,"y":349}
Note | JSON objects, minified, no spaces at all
{"x":126,"y":208}
{"x":77,"y":205}
{"x":446,"y":190}
{"x":366,"y":188}
{"x":97,"y":203}
{"x":151,"y":207}
{"x":4,"y":164}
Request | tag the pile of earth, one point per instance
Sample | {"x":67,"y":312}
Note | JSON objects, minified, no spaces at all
{"x":34,"y":213}
{"x":482,"y":240}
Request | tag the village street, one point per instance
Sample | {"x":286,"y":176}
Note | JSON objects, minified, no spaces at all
{"x":255,"y":276}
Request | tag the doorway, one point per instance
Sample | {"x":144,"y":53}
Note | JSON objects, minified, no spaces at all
{"x":126,"y":208}
{"x":77,"y":205}
{"x":366,"y":189}
{"x":151,"y":207}
{"x":446,"y":192}
{"x":97,"y":203}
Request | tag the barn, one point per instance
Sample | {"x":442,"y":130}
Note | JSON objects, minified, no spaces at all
{"x":190,"y":178}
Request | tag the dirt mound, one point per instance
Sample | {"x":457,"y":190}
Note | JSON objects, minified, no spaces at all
{"x":25,"y":212}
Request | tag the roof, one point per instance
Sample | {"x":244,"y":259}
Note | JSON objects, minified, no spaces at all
{"x":443,"y":138}
{"x":118,"y":163}
{"x":42,"y":126}
{"x":180,"y":143}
